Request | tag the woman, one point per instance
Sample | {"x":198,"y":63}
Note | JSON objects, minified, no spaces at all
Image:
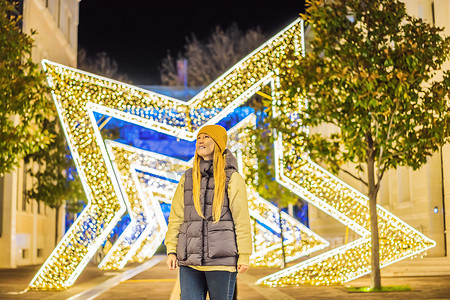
{"x":209,"y":224}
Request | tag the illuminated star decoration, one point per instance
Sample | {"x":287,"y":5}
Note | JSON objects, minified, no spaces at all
{"x":147,"y":227}
{"x":79,"y":96}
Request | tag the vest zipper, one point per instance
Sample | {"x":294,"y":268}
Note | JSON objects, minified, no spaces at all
{"x":204,"y":220}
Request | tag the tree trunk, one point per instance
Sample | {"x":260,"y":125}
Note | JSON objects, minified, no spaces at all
{"x":56,"y":224}
{"x":283,"y":253}
{"x":375,"y":277}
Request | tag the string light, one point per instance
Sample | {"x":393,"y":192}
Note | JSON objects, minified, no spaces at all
{"x":147,"y":227}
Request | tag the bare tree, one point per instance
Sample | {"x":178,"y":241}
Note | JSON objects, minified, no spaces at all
{"x":102,"y":64}
{"x":208,"y":59}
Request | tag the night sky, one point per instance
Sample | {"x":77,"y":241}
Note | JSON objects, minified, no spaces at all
{"x":138,"y":34}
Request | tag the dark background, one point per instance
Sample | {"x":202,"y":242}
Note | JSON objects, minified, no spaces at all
{"x":138,"y":34}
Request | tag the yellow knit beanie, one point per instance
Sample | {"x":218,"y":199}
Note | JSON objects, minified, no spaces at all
{"x":217,"y":133}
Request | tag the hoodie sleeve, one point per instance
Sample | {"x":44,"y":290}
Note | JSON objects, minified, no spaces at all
{"x":176,"y":218}
{"x":237,"y":193}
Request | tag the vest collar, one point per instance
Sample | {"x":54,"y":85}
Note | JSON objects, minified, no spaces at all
{"x":206,"y":168}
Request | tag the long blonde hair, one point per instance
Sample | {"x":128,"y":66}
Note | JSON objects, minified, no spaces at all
{"x":219,"y":183}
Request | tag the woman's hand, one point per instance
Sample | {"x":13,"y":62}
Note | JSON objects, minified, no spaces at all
{"x":242,"y":268}
{"x":172,"y":261}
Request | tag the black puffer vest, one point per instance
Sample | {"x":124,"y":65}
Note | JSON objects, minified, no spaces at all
{"x":201,"y":242}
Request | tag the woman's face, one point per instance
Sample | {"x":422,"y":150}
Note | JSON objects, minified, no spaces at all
{"x":205,"y":146}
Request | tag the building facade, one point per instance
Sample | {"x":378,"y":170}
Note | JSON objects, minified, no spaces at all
{"x":27,"y":228}
{"x":421,"y":198}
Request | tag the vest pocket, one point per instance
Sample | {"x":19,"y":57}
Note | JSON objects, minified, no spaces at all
{"x":182,"y":243}
{"x":221,"y":239}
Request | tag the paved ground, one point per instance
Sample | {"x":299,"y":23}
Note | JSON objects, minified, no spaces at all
{"x":156,"y":282}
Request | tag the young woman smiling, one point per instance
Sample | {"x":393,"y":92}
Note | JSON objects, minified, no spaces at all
{"x":209,"y":233}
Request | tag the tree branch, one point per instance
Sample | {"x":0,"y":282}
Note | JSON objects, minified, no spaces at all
{"x":380,"y":175}
{"x":390,"y":122}
{"x":394,"y":154}
{"x":377,"y":124}
{"x":354,"y":176}
{"x":389,"y":132}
